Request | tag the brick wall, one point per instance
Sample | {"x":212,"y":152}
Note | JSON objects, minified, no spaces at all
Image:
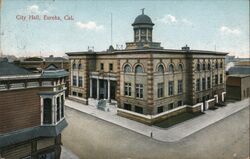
{"x":19,"y":109}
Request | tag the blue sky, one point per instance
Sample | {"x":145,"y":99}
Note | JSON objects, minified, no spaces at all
{"x":202,"y":24}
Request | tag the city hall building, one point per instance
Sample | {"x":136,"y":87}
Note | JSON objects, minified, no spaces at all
{"x":148,"y":83}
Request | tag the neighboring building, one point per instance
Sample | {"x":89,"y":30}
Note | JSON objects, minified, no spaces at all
{"x":37,"y":64}
{"x":31,"y":112}
{"x":238,"y":86}
{"x":146,"y":79}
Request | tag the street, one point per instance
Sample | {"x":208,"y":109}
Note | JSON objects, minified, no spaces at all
{"x":89,"y":137}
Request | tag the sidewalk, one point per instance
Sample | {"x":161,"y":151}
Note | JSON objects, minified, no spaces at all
{"x":171,"y":134}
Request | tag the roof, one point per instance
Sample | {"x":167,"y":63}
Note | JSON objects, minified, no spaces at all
{"x":239,"y":70}
{"x":142,"y":19}
{"x":239,"y":75}
{"x":162,"y":51}
{"x":7,"y":69}
{"x":54,"y":73}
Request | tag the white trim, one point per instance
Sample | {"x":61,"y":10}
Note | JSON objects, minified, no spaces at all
{"x":208,"y":101}
{"x":216,"y":98}
{"x":20,"y":77}
{"x":223,"y":96}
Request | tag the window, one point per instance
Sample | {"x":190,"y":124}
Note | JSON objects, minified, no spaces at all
{"x":221,"y":65}
{"x":216,"y":79}
{"x":80,"y":81}
{"x":74,"y":93}
{"x":74,"y":80}
{"x":171,"y":68}
{"x":180,"y":89}
{"x":110,"y":67}
{"x":80,"y":66}
{"x":208,"y":82}
{"x":138,"y":69}
{"x":197,"y":84}
{"x":203,"y":83}
{"x":74,"y":66}
{"x":160,"y":68}
{"x":170,"y":106}
{"x":139,"y":90}
{"x":180,"y":67}
{"x":216,"y":64}
{"x":209,"y":66}
{"x":197,"y":100}
{"x":79,"y":94}
{"x":101,"y":66}
{"x":127,"y":68}
{"x":62,"y":106}
{"x":203,"y":66}
{"x":138,"y":109}
{"x":160,"y":90}
{"x":127,"y":106}
{"x":179,"y":103}
{"x":160,"y":109}
{"x":221,"y":78}
{"x":127,"y":89}
{"x":198,"y":67}
{"x":57,"y":109}
{"x":47,"y":111}
{"x":171,"y":88}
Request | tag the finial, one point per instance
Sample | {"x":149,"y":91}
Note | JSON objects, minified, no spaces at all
{"x":142,"y":10}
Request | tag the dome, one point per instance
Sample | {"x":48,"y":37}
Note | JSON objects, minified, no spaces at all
{"x":142,"y":19}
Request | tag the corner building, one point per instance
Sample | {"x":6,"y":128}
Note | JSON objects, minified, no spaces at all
{"x":148,"y":82}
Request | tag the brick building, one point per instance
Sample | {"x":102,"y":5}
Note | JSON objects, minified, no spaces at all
{"x":31,"y":112}
{"x":147,"y":81}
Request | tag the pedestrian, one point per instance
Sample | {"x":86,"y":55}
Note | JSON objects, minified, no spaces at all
{"x":151,"y":134}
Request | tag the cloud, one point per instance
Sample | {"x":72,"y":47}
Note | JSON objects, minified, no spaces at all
{"x":170,"y":19}
{"x":229,"y":31}
{"x":91,"y":25}
{"x":34,"y":9}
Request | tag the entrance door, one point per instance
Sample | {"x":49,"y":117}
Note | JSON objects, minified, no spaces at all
{"x":204,"y":102}
{"x":112,"y":89}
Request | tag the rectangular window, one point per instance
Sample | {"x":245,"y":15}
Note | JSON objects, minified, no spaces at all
{"x":110,"y":67}
{"x":160,"y":109}
{"x":139,"y":90}
{"x":101,"y":66}
{"x":138,"y":109}
{"x":221,"y":78}
{"x":203,"y":83}
{"x":80,"y":81}
{"x":62,"y":106}
{"x":74,"y":80}
{"x":208,"y":83}
{"x":58,"y":109}
{"x":160,"y":90}
{"x":216,"y":79}
{"x":180,"y":88}
{"x":170,"y":106}
{"x":171,"y":88}
{"x":197,"y":84}
{"x":74,"y":93}
{"x":179,"y":103}
{"x":127,"y":106}
{"x":79,"y":94}
{"x":127,"y":89}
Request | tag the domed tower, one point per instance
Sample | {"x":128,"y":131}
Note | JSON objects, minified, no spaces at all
{"x":143,"y":27}
{"x":143,"y":33}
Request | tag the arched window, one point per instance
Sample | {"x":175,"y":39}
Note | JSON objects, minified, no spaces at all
{"x":160,"y":68}
{"x":204,"y":66}
{"x":209,"y":66}
{"x":47,"y":111}
{"x":198,"y":67}
{"x":74,"y":66}
{"x":221,"y":65}
{"x":127,"y":68}
{"x":80,"y":66}
{"x":138,"y":69}
{"x":171,"y":68}
{"x":180,"y":67}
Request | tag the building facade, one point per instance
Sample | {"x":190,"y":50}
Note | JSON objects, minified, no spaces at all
{"x":31,"y":112}
{"x":147,"y":80}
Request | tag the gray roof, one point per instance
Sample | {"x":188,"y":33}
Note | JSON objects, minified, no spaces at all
{"x":32,"y":133}
{"x":54,"y":73}
{"x":239,"y":70}
{"x":8,"y":69}
{"x":142,"y":19}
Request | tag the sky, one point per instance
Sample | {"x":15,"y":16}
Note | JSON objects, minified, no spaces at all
{"x":217,"y":25}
